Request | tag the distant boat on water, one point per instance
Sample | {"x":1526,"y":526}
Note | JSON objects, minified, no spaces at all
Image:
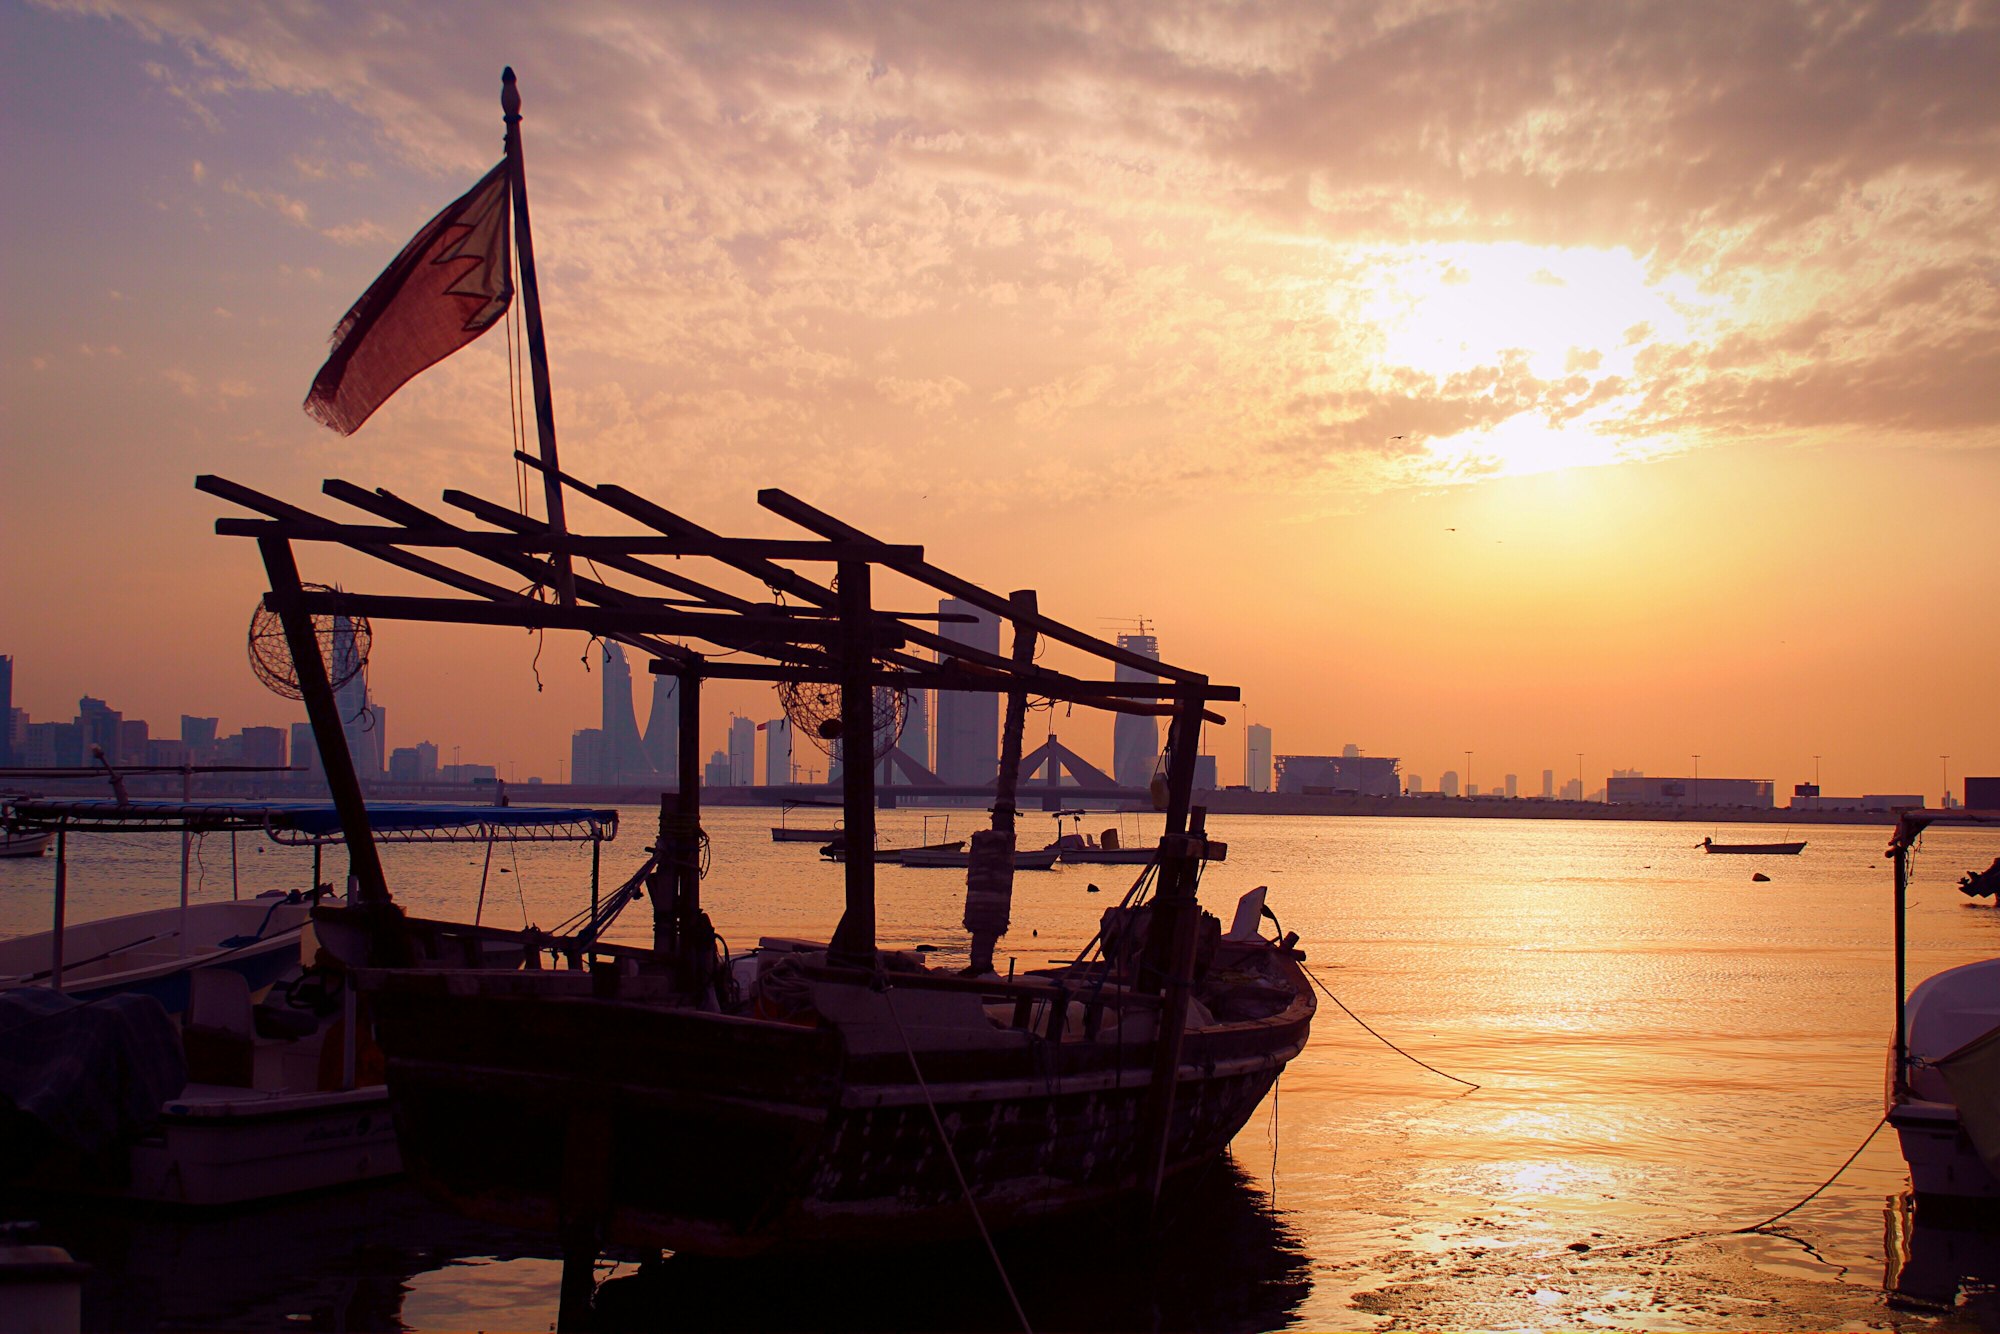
{"x":1756,"y":849}
{"x":24,"y":845}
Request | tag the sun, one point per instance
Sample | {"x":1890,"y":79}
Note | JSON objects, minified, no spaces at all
{"x":1569,"y":322}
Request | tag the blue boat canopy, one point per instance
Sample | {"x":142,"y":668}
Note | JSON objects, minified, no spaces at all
{"x":300,"y":823}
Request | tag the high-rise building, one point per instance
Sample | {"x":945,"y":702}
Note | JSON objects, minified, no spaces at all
{"x":362,"y":722}
{"x":198,"y":735}
{"x":777,"y":751}
{"x":1511,"y":784}
{"x":1135,"y":738}
{"x":1259,"y":742}
{"x":1548,"y":784}
{"x":968,"y":722}
{"x":1205,"y":777}
{"x":716,"y":772}
{"x":742,"y":752}
{"x":915,"y":740}
{"x":305,"y":752}
{"x":1414,"y":784}
{"x":6,"y":708}
{"x":98,"y":723}
{"x":1448,"y":783}
{"x":264,"y":745}
{"x":624,"y":753}
{"x":132,"y":737}
{"x":663,"y":727}
{"x":586,"y":755}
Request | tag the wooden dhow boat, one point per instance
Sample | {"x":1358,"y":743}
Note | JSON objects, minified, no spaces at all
{"x":806,"y":1096}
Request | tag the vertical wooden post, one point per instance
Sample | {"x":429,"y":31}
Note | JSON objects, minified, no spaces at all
{"x":989,"y":874}
{"x":1899,"y":1072}
{"x":1170,"y":946}
{"x":596,"y":867}
{"x":854,"y":939}
{"x":62,"y":895}
{"x":666,"y":886}
{"x":364,"y":861}
{"x":538,"y":348}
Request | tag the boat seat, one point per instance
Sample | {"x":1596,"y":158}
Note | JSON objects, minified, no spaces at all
{"x":220,"y":1032}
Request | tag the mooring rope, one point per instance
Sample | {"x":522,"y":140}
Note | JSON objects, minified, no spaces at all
{"x":1377,"y":1036}
{"x":951,"y":1156}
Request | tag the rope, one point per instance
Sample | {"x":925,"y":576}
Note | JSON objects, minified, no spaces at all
{"x":951,"y":1156}
{"x":1756,"y":1227}
{"x":1377,"y":1036}
{"x":1873,"y":1131}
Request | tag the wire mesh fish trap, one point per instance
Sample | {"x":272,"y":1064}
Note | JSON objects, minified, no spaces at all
{"x":344,"y":645}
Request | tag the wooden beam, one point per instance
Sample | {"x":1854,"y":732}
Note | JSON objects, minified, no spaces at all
{"x":479,"y":542}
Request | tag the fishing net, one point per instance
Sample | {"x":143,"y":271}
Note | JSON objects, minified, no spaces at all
{"x":813,"y":707}
{"x":344,"y":644}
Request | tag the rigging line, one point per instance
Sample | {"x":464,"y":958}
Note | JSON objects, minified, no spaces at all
{"x":951,"y":1156}
{"x":514,"y":851}
{"x":1875,"y":1130}
{"x":513,"y":416}
{"x":1377,"y":1036}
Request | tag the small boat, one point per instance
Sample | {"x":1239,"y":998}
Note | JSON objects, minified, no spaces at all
{"x":800,"y":834}
{"x":783,"y":832}
{"x":1944,"y":1061}
{"x":1032,"y":859}
{"x":1107,"y":849}
{"x":837,"y":852}
{"x":1755,"y":849}
{"x":23,"y":845}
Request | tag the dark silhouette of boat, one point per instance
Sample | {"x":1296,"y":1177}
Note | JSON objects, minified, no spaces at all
{"x":800,"y":1096}
{"x":1755,"y":849}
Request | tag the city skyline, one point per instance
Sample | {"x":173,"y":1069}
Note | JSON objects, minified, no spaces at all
{"x":1559,"y":441}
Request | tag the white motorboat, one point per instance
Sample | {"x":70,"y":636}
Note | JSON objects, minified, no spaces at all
{"x":269,"y":1085}
{"x":1944,"y":1061}
{"x":23,"y":845}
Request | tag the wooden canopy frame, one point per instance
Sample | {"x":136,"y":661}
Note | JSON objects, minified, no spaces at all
{"x":809,"y":630}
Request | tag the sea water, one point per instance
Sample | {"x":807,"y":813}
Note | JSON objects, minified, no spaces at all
{"x":1662,"y":1047}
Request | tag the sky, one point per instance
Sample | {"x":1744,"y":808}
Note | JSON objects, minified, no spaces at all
{"x":1525,"y":379}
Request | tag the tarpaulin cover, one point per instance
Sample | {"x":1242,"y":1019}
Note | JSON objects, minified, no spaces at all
{"x":88,"y":1074}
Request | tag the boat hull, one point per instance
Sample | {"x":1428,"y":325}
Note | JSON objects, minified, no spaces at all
{"x":1756,"y":849}
{"x":780,"y":834}
{"x":1944,"y":1164}
{"x":24,"y":845}
{"x":729,"y":1136}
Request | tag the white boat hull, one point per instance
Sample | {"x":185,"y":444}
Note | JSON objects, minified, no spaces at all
{"x":1943,"y":1162}
{"x":218,"y":1146}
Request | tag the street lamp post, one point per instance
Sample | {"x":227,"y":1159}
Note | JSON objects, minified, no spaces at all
{"x":1944,"y":774}
{"x":1579,"y":775}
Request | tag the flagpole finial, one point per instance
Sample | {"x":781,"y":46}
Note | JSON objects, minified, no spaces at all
{"x":510,"y":96}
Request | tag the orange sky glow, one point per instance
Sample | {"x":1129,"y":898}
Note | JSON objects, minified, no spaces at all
{"x":1518,"y":378}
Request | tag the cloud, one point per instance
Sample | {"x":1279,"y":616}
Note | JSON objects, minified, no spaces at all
{"x":967,"y":236}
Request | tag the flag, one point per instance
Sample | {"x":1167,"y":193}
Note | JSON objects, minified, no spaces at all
{"x":451,"y":284}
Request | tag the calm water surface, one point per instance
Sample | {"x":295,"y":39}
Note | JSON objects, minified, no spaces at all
{"x":1662,"y":1047}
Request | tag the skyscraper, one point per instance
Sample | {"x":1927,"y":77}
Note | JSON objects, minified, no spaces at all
{"x":915,"y":741}
{"x":1259,"y":741}
{"x":98,"y":722}
{"x":663,"y":726}
{"x":624,"y":753}
{"x":742,"y":752}
{"x":1135,"y":738}
{"x":777,"y":751}
{"x":968,"y":722}
{"x":6,"y":708}
{"x":362,"y":724}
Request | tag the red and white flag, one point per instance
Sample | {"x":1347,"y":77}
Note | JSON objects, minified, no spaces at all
{"x":451,"y":284}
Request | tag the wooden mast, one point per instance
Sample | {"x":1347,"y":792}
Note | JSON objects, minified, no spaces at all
{"x":1170,"y":947}
{"x":989,"y":873}
{"x":363,"y":860}
{"x":538,"y":348}
{"x":854,"y":939}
